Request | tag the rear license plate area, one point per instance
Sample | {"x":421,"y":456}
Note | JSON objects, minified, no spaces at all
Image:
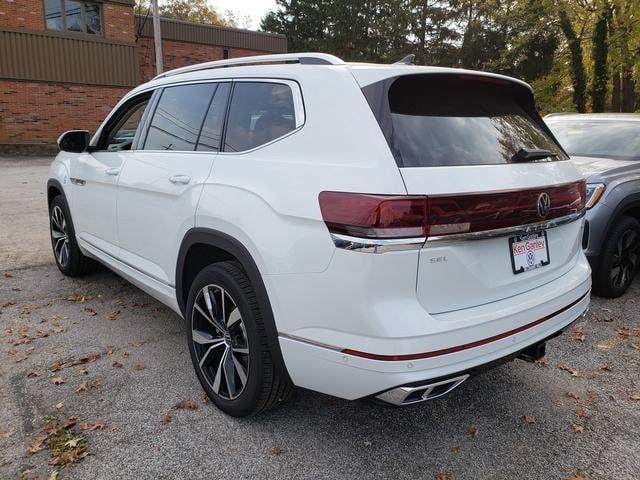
{"x":529,"y":251}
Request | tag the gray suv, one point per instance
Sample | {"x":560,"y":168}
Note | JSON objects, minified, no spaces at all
{"x":606,"y":148}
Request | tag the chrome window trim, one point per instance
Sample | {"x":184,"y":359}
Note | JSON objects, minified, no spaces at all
{"x":378,"y":245}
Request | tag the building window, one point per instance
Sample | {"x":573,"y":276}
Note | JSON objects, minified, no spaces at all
{"x":225,"y":54}
{"x":73,"y":16}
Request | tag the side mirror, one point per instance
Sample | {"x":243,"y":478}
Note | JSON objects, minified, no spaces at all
{"x":75,"y":141}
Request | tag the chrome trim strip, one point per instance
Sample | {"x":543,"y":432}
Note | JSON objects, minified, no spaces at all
{"x":152,"y":277}
{"x":508,"y":231}
{"x":309,"y":342}
{"x":376,"y":245}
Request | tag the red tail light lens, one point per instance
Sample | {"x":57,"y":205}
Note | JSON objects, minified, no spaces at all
{"x":406,"y":216}
{"x":374,"y":216}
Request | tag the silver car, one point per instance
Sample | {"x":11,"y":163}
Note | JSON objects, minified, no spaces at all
{"x":606,"y":148}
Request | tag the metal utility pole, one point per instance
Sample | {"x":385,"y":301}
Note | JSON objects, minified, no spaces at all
{"x":157,"y":36}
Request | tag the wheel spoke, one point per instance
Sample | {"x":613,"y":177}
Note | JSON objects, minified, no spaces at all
{"x":224,"y":314}
{"x":234,"y":317}
{"x":218,"y":377}
{"x":229,"y":373}
{"x":204,"y":338}
{"x":56,"y":234}
{"x":242,"y":350}
{"x":209,"y":319}
{"x":211,"y":349}
{"x":207,"y":300}
{"x":242,"y":374}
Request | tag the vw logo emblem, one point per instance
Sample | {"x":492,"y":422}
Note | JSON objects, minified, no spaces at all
{"x":544,"y":204}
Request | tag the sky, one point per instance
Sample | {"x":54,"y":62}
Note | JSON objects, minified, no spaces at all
{"x":253,"y":8}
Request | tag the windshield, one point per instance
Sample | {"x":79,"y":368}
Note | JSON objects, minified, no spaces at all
{"x":617,"y":139}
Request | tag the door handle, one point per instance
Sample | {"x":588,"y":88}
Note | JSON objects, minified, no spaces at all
{"x":183,"y":179}
{"x":112,"y":171}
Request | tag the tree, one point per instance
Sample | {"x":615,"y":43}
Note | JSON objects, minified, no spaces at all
{"x":600,"y":69}
{"x":197,"y":11}
{"x":577,"y":66}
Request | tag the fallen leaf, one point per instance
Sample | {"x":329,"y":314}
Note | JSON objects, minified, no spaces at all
{"x":12,"y":351}
{"x":636,"y":346}
{"x":635,"y":398}
{"x":117,"y":364}
{"x":166,"y":418}
{"x":578,"y":477}
{"x":6,"y":434}
{"x":577,"y":428}
{"x":78,"y":298}
{"x":58,"y":380}
{"x":96,"y":425}
{"x":577,"y":333}
{"x":113,"y":315}
{"x":186,"y":405}
{"x":136,"y":344}
{"x":68,"y":423}
{"x":25,"y":310}
{"x":57,"y":366}
{"x":443,"y":476}
{"x":110,"y":350}
{"x":573,"y":395}
{"x":125,"y":355}
{"x":88,"y":385}
{"x":8,"y":303}
{"x":473,"y":431}
{"x":603,"y":346}
{"x":33,"y":374}
{"x":8,"y":274}
{"x":277,"y":451}
{"x":138,"y":366}
{"x":529,"y":419}
{"x":455,"y":449}
{"x":606,"y":368}
{"x":36,"y":446}
{"x":542,"y":362}
{"x":59,"y":405}
{"x":53,"y":475}
{"x":90,"y":311}
{"x":58,"y":330}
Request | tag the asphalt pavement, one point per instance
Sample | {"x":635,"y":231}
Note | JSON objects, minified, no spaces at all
{"x":103,"y":353}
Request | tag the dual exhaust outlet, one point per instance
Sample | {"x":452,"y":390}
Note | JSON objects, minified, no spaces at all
{"x":408,"y":395}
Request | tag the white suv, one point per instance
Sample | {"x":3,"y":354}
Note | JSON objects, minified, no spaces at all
{"x":360,"y":230}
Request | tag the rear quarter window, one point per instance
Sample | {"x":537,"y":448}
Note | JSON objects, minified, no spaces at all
{"x":437,"y":120}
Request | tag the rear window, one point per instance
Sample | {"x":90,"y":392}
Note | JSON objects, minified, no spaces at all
{"x":437,"y":120}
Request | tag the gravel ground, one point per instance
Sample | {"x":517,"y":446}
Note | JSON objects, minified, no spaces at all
{"x":572,"y":415}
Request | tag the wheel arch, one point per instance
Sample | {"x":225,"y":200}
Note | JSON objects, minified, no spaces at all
{"x":54,"y":188}
{"x":629,"y":206}
{"x":211,"y":246}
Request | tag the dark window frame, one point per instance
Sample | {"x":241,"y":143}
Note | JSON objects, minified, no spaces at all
{"x":83,"y":5}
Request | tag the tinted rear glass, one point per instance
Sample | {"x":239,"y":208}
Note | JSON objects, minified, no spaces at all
{"x":444,"y":123}
{"x":618,"y":139}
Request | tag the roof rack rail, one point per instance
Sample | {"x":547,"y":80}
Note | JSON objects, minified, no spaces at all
{"x":301,"y":58}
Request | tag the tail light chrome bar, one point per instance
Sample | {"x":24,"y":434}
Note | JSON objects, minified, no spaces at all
{"x":380,"y":223}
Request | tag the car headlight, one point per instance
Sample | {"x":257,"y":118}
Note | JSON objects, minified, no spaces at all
{"x":594,"y":193}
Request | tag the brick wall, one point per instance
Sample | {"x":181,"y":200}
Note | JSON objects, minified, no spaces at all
{"x":22,"y":14}
{"x":118,"y":22}
{"x":179,"y":54}
{"x":37,"y":113}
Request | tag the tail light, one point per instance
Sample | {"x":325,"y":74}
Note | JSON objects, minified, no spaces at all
{"x":406,"y":216}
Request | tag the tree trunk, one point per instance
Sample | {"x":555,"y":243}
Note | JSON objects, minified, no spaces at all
{"x":577,"y":66}
{"x":615,"y":91}
{"x":600,"y":70}
{"x":628,"y":92}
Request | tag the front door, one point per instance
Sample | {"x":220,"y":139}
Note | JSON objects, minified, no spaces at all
{"x":161,"y":182}
{"x":95,"y":179}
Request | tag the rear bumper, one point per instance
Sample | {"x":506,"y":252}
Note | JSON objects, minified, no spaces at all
{"x":494,"y":331}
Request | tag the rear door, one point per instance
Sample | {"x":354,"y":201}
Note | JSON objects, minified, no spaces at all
{"x":504,"y":202}
{"x":161,"y":182}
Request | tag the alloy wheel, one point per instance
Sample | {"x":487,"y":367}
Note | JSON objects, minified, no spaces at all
{"x":625,"y":259}
{"x":60,"y":236}
{"x":220,"y":341}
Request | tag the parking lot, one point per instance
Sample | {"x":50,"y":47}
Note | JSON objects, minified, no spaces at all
{"x":104,"y":353}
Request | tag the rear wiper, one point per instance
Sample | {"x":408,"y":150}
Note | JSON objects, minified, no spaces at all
{"x":531,"y":154}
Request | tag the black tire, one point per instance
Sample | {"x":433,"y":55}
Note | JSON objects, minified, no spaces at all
{"x":619,"y":260}
{"x":66,"y":252}
{"x":231,"y":294}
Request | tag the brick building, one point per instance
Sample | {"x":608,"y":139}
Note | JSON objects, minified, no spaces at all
{"x":65,"y":63}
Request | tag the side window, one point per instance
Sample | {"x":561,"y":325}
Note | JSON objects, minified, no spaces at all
{"x":178,"y":117}
{"x":121,"y":136}
{"x":259,"y":112}
{"x":211,"y":133}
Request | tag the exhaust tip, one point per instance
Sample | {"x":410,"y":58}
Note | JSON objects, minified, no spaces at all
{"x":420,"y":393}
